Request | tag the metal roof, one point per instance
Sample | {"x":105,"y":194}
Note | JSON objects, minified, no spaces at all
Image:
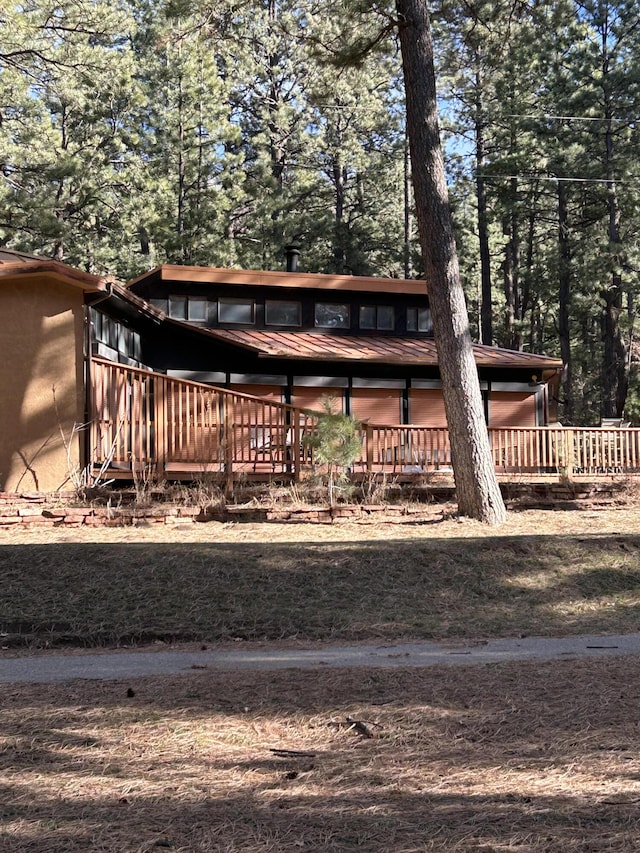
{"x":398,"y":350}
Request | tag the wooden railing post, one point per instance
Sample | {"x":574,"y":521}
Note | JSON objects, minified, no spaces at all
{"x":569,"y":445}
{"x":92,"y":415}
{"x":160,"y":419}
{"x":296,"y":448}
{"x":227,"y":443}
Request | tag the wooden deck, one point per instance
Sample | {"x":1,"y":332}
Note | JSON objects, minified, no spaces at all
{"x":149,"y":425}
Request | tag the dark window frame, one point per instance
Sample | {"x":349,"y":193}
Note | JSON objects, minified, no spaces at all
{"x":422,"y":322}
{"x":271,"y":303}
{"x":376,"y":326}
{"x":191,"y":301}
{"x":243,"y":302}
{"x":345,"y":324}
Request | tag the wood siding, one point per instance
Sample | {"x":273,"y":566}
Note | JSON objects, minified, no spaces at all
{"x":272,"y":393}
{"x":377,"y":405}
{"x":510,"y":409}
{"x":426,"y":407}
{"x":313,"y":398}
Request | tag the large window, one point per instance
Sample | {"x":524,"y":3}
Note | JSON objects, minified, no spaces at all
{"x":239,"y":311}
{"x":280,"y":313}
{"x":377,"y":317}
{"x":419,"y":320}
{"x":332,"y":315}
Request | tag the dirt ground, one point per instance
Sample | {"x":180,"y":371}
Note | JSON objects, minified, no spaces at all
{"x":543,"y":573}
{"x":534,"y":758}
{"x":527,"y":757}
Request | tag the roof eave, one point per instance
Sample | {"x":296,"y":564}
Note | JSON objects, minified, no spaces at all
{"x":281,"y":278}
{"x":54,"y":269}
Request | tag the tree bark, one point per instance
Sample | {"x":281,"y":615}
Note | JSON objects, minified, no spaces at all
{"x":564,"y":295}
{"x":615,"y":377}
{"x":614,"y":374}
{"x":486,"y":290}
{"x":477,"y":489}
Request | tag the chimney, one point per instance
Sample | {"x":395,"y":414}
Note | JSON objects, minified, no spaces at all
{"x":292,"y":254}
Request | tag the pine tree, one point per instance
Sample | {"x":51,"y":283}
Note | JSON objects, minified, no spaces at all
{"x":477,"y":488}
{"x":66,"y":84}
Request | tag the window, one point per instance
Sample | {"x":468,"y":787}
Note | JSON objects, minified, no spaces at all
{"x":114,"y":335}
{"x":367,"y":316}
{"x":377,"y":317}
{"x":111,"y":332}
{"x":136,"y":348}
{"x":235,"y":311}
{"x":160,"y":304}
{"x":178,"y":307}
{"x":124,"y":340}
{"x":331,"y":315}
{"x":96,"y":319}
{"x":281,"y":313}
{"x":419,"y":320}
{"x":197,"y":310}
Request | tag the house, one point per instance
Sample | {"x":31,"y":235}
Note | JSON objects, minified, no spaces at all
{"x":294,"y":337}
{"x":42,"y":369}
{"x":186,"y":366}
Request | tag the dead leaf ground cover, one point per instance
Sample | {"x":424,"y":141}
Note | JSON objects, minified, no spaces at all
{"x":543,"y":573}
{"x":531,"y":757}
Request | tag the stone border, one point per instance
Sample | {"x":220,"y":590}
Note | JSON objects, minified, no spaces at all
{"x":38,"y":510}
{"x":28,"y":510}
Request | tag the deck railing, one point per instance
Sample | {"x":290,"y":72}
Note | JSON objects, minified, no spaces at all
{"x":147,"y":422}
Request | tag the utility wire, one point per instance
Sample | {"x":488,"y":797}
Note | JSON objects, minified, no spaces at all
{"x":541,"y":116}
{"x":556,"y":178}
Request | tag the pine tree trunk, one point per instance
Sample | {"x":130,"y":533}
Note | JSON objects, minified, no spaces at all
{"x":486,"y":307}
{"x":564,"y":294}
{"x":615,"y":376}
{"x":477,"y":488}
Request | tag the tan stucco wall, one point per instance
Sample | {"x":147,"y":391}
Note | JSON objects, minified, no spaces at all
{"x":41,"y":349}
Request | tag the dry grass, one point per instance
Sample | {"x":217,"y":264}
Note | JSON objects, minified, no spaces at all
{"x":533,"y":758}
{"x":509,"y":758}
{"x":543,"y":573}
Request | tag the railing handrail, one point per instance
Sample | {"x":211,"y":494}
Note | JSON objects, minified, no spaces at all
{"x":203,"y":386}
{"x":140,"y":417}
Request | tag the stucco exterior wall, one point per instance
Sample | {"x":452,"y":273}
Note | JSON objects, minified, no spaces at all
{"x":41,"y":382}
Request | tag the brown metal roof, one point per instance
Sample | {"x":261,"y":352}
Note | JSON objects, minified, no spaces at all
{"x":19,"y":265}
{"x":399,"y":350}
{"x":275,"y":278}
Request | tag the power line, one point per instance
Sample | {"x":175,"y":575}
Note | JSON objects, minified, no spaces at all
{"x":569,"y":118}
{"x":557,"y":178}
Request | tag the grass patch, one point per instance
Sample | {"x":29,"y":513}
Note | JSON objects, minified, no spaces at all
{"x":536,"y":757}
{"x":213,"y":582}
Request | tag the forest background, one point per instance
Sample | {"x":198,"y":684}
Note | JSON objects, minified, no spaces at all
{"x":140,"y":132}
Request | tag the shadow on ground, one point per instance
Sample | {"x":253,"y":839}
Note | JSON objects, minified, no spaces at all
{"x":527,"y":757}
{"x":109,"y":594}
